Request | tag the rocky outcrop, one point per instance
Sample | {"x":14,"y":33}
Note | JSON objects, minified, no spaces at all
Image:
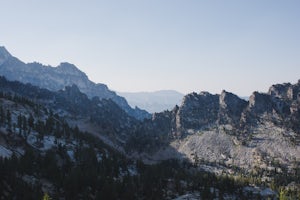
{"x":286,"y":91}
{"x":57,"y":78}
{"x":231,"y":108}
{"x":260,"y":103}
{"x":282,"y":91}
{"x":197,"y":111}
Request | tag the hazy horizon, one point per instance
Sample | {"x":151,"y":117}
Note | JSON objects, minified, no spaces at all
{"x":144,"y":46}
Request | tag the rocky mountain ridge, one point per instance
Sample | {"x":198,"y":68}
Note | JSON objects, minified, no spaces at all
{"x":57,"y":78}
{"x":229,"y":130}
{"x":199,"y":111}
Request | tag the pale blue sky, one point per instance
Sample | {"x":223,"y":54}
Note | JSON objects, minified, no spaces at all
{"x":186,"y":45}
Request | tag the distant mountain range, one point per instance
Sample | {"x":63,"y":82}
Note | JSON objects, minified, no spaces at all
{"x":157,"y":101}
{"x":56,"y":78}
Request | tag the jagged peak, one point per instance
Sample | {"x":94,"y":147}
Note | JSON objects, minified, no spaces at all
{"x":70,"y":69}
{"x":285,"y":91}
{"x":35,"y":63}
{"x":195,"y":95}
{"x":227,"y":98}
{"x":202,"y":98}
{"x":279,"y":90}
{"x":225,"y":93}
{"x":260,"y":101}
{"x":67,"y":66}
{"x":205,"y":93}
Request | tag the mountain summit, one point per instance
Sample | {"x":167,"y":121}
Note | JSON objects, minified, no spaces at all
{"x":57,"y":78}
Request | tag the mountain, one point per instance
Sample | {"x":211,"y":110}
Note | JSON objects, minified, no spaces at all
{"x":45,"y":151}
{"x":157,"y":101}
{"x":57,"y":78}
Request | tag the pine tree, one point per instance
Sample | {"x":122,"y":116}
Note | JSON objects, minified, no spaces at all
{"x":24,"y":123}
{"x":8,"y":118}
{"x":19,"y":122}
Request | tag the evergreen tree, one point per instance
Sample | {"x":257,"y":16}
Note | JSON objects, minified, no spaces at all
{"x":2,"y":115}
{"x":30,"y":121}
{"x":24,"y":123}
{"x":19,"y":121}
{"x":8,"y":118}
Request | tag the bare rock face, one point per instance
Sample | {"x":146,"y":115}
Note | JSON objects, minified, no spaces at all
{"x":285,"y":91}
{"x":282,"y":91}
{"x":198,"y":110}
{"x":260,"y":103}
{"x":231,"y":108}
